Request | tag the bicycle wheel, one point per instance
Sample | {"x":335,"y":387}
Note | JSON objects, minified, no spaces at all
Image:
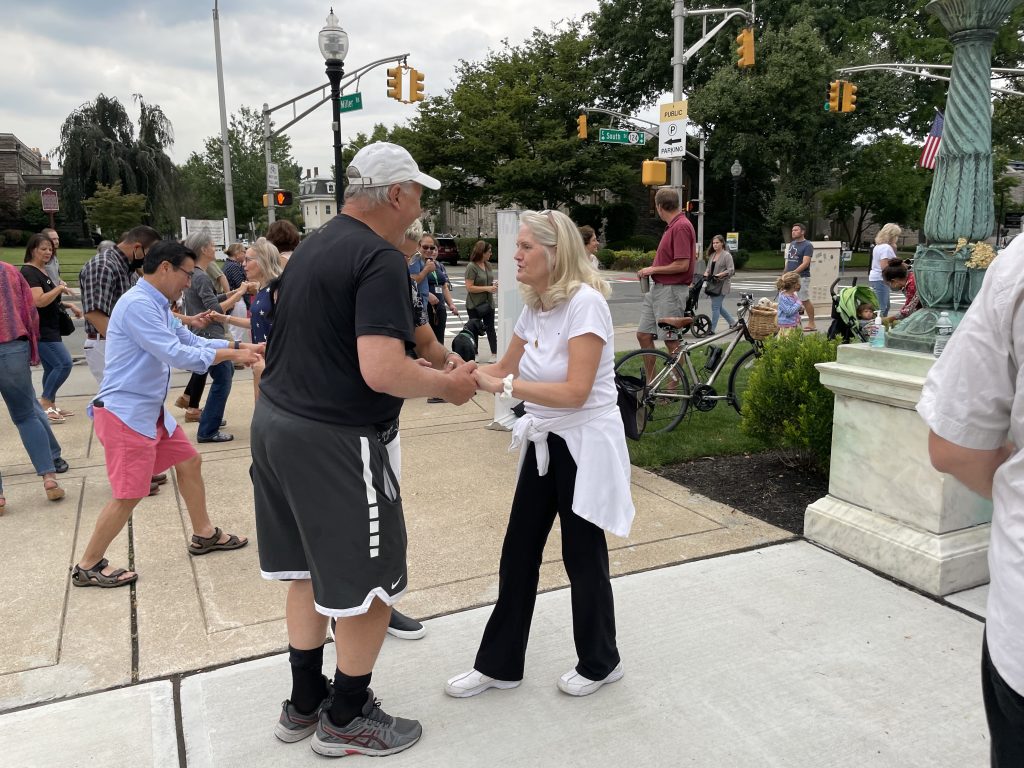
{"x":666,"y":405}
{"x":740,"y":377}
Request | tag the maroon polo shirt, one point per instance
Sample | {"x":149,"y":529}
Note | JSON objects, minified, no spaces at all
{"x":678,"y":242}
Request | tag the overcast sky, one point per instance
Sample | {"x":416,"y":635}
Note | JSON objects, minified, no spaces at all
{"x":62,"y":53}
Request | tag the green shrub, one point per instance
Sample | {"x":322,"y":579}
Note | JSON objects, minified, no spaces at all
{"x":635,"y":243}
{"x":739,"y":258}
{"x":627,"y":261}
{"x":15,"y":237}
{"x":466,"y":247}
{"x":786,"y":405}
{"x":606,"y":256}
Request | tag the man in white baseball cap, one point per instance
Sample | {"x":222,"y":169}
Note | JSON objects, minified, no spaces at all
{"x":381,"y":164}
{"x":324,"y":451}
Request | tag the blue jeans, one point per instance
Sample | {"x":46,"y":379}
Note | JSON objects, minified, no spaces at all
{"x":882,"y":292}
{"x":56,"y":367}
{"x":213,"y":413}
{"x":26,"y":413}
{"x":717,"y":308}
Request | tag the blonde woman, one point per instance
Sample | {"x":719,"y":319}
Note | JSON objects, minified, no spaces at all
{"x":573,"y":463}
{"x":882,"y":255}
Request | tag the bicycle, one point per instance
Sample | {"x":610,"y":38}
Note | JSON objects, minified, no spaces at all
{"x":668,"y":394}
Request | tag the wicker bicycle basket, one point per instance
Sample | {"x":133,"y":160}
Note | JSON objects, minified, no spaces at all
{"x":761,"y":323}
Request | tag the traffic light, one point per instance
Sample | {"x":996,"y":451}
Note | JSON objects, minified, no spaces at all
{"x":581,"y":127}
{"x":849,"y":97}
{"x":833,"y":96}
{"x":282,"y":197}
{"x":395,"y":83}
{"x":654,"y":173}
{"x":415,"y":86}
{"x":745,"y":48}
{"x":266,"y":200}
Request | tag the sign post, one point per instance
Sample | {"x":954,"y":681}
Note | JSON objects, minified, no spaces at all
{"x":50,"y":204}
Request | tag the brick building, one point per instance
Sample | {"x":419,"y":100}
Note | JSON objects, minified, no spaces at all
{"x":23,"y":169}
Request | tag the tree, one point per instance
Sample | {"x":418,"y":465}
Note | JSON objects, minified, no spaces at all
{"x":98,"y":146}
{"x":112,"y":212}
{"x":203,"y":173}
{"x":881,"y":183}
{"x":31,"y":212}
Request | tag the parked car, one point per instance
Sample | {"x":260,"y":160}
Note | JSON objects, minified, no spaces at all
{"x":447,"y":250}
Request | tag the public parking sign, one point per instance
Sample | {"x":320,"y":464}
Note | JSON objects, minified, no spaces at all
{"x":672,"y":130}
{"x":49,"y":198}
{"x":620,"y":136}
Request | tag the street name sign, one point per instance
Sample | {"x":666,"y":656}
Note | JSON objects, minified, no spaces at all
{"x":350,"y":102}
{"x":49,"y":198}
{"x":620,"y":136}
{"x":672,"y":130}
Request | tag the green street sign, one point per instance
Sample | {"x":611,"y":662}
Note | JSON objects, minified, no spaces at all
{"x":350,"y":102}
{"x":620,"y":136}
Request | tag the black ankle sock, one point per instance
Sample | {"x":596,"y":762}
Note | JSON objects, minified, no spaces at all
{"x":309,"y":686}
{"x":349,"y":697}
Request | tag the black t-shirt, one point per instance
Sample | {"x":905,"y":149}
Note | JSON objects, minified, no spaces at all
{"x":342,"y":282}
{"x":49,"y":320}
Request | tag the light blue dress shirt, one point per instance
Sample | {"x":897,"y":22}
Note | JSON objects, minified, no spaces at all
{"x":143,"y":344}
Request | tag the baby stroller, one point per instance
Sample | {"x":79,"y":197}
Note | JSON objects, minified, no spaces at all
{"x":701,"y":325}
{"x":845,"y":322}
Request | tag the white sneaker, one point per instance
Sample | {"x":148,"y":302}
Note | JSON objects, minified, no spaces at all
{"x":471,"y":683}
{"x":575,"y":684}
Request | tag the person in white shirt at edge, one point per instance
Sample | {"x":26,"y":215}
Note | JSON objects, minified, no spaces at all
{"x":573,"y":460}
{"x":882,"y":255}
{"x":976,"y":427}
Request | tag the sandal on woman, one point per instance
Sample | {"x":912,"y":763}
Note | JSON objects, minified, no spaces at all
{"x":193,"y":415}
{"x":94,"y":577}
{"x":54,"y":415}
{"x":53,"y":490}
{"x":63,"y":412}
{"x":202,"y":545}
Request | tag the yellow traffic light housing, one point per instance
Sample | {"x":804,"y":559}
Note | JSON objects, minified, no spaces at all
{"x":745,"y":48}
{"x":849,"y":97}
{"x":282,"y":197}
{"x":395,"y":83}
{"x":581,"y":127}
{"x":833,"y":95}
{"x":654,"y":173}
{"x":415,"y":85}
{"x":266,"y":200}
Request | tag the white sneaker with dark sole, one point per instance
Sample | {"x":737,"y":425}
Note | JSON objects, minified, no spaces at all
{"x":471,"y":683}
{"x":575,"y":684}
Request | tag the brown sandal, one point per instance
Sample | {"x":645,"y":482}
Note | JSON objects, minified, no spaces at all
{"x":53,"y":492}
{"x":202,"y":545}
{"x":94,"y":577}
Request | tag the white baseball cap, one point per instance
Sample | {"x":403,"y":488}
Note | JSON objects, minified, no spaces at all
{"x":381,"y":164}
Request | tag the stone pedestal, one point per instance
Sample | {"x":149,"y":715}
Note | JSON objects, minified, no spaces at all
{"x":886,"y":507}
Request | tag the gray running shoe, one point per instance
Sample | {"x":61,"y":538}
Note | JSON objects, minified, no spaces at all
{"x":374,"y":733}
{"x":294,"y":726}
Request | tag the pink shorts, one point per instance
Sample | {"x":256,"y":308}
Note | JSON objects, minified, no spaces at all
{"x":132,"y":459}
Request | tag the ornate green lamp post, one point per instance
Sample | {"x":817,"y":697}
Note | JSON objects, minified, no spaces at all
{"x":961,"y":206}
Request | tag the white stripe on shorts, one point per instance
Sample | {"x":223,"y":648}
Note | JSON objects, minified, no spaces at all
{"x":371,"y":496}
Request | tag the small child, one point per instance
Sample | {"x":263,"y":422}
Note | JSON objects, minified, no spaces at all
{"x":788,"y":312}
{"x":865,"y":319}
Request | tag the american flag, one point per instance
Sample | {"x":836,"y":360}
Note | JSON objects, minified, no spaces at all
{"x":931,"y":143}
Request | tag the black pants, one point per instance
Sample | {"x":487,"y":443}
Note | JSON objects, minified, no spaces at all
{"x":488,"y":320}
{"x":438,"y":316}
{"x":195,"y":388}
{"x":502,"y":653}
{"x":1004,"y":708}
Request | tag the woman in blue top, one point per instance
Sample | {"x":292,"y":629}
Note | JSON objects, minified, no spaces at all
{"x":262,"y":264}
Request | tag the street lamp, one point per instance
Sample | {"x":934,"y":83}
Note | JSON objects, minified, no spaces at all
{"x":736,"y":171}
{"x":333,"y":47}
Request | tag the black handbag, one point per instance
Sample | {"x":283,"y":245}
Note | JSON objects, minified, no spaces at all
{"x":483,"y":309}
{"x":713,"y":285}
{"x":67,"y":325}
{"x":631,"y":404}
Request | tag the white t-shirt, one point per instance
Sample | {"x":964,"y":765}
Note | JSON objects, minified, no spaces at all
{"x":879,"y":252}
{"x":983,"y":411}
{"x":546,"y":357}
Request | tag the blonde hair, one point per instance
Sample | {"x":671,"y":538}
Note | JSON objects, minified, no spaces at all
{"x":268,"y":258}
{"x":788,"y":281}
{"x":889,"y":234}
{"x":568,"y":262}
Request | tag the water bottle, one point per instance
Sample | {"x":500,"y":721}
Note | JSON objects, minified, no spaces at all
{"x":714,"y":355}
{"x":877,"y":340}
{"x":943,"y":330}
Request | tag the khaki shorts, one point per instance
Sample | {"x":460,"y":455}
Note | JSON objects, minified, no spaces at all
{"x":661,"y":301}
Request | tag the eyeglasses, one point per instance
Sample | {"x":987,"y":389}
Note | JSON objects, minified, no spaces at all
{"x":188,"y":272}
{"x":428,"y":247}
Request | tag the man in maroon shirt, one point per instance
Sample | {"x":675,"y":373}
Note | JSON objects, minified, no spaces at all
{"x":672,"y":271}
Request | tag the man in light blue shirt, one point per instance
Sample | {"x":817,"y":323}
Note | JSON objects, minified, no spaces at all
{"x":140,"y":437}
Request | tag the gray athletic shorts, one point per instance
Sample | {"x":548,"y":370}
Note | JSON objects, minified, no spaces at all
{"x":662,"y":301}
{"x":804,"y":294}
{"x":328,"y":508}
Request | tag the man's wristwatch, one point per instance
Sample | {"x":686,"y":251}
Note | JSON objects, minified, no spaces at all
{"x":237,"y":345}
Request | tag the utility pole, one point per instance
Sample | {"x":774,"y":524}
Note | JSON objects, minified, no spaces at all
{"x":678,"y":63}
{"x":229,"y":192}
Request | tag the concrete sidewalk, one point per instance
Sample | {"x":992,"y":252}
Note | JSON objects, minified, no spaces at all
{"x":785,"y":655}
